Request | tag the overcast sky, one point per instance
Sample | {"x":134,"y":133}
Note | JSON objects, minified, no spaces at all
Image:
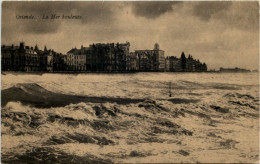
{"x":222,"y":34}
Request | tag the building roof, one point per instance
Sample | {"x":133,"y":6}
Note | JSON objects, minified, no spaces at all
{"x":10,"y":47}
{"x":73,"y":50}
{"x":76,"y":51}
{"x":148,"y":50}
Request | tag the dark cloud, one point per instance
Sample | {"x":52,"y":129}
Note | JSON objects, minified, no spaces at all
{"x":152,"y":9}
{"x":240,"y":15}
{"x":204,"y":10}
{"x":91,"y":12}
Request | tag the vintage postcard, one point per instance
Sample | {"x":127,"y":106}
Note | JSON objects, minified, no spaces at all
{"x":130,"y":82}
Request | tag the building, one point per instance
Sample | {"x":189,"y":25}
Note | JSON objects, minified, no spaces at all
{"x":32,"y":59}
{"x":151,"y":60}
{"x":131,"y":62}
{"x":20,"y":58}
{"x":7,"y":61}
{"x":58,"y":61}
{"x":98,"y":57}
{"x":75,"y":60}
{"x":190,"y":65}
{"x":101,"y":57}
{"x":121,"y":51}
{"x":184,"y":64}
{"x":46,"y":59}
{"x":167,"y":64}
{"x":107,"y":57}
{"x":175,"y":64}
{"x":160,"y":59}
{"x":29,"y":59}
{"x":146,"y":60}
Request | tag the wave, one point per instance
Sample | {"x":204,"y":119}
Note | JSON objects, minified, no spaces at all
{"x":83,"y":123}
{"x":45,"y":126}
{"x":183,"y":84}
{"x":35,"y":95}
{"x":79,"y":132}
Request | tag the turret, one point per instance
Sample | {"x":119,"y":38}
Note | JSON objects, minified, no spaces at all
{"x":183,"y":56}
{"x":183,"y":61}
{"x":156,"y":46}
{"x":45,"y":49}
{"x":21,"y":46}
{"x":36,"y":48}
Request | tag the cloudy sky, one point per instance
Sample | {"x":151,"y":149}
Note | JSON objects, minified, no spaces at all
{"x":222,"y":34}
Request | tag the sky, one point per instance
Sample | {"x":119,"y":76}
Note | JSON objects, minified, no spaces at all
{"x":221,"y":34}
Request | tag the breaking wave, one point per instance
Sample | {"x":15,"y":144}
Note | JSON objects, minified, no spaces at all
{"x":35,"y":95}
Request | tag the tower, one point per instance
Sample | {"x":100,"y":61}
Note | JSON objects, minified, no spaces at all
{"x":45,"y":49}
{"x":21,"y":45}
{"x":36,"y":48}
{"x":156,"y":46}
{"x":183,"y":62}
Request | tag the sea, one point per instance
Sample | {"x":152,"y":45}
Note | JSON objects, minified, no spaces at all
{"x":130,"y":118}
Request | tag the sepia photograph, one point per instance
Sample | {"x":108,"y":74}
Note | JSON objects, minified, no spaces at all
{"x":129,"y":82}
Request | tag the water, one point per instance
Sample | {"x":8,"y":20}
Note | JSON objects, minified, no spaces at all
{"x":153,"y":85}
{"x":130,"y":117}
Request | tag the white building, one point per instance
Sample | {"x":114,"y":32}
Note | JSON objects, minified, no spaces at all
{"x":75,"y":60}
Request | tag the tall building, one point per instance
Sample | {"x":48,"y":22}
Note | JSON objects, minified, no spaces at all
{"x":107,"y":57}
{"x":101,"y":57}
{"x":151,"y":60}
{"x":190,"y":65}
{"x":160,"y":59}
{"x":7,"y":61}
{"x":167,"y":64}
{"x":46,"y":59}
{"x":121,"y":51}
{"x":173,"y":64}
{"x":75,"y":60}
{"x":58,"y":61}
{"x":183,"y":61}
{"x":131,"y":62}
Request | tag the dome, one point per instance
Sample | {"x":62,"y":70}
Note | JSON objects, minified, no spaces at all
{"x":156,"y":46}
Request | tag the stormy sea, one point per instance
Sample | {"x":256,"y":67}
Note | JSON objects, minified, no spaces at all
{"x":130,"y":118}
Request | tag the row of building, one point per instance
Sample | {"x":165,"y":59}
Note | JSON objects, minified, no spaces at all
{"x":183,"y":64}
{"x":30,"y":59}
{"x":100,"y":57}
